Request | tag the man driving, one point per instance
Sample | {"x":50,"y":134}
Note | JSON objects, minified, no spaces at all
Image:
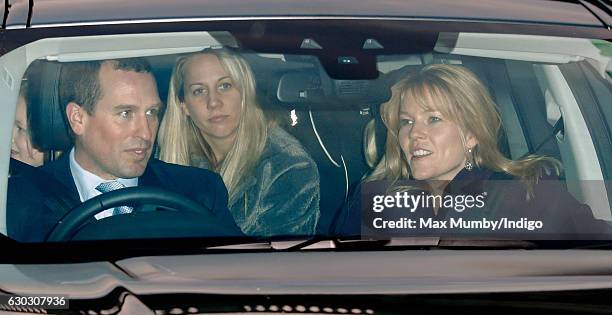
{"x":112,"y":108}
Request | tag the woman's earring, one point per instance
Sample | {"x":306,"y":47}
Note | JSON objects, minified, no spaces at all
{"x":468,"y":164}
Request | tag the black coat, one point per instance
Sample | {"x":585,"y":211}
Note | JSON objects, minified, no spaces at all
{"x":31,"y":215}
{"x":562,"y":216}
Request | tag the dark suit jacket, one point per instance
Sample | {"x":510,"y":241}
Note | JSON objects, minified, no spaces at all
{"x":31,"y":216}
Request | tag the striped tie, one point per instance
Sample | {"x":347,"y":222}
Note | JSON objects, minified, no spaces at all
{"x":110,"y":186}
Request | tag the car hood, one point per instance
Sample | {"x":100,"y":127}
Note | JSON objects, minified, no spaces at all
{"x":375,"y":272}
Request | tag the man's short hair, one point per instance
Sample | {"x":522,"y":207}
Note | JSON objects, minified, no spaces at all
{"x":80,"y":81}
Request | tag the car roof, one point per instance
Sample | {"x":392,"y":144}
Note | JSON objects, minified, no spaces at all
{"x":87,"y":12}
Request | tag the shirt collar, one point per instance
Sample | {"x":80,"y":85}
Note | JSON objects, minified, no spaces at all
{"x":86,"y":182}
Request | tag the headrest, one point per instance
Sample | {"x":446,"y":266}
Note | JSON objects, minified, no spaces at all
{"x":384,"y":85}
{"x":49,"y":129}
{"x":380,"y":131}
{"x":300,"y":87}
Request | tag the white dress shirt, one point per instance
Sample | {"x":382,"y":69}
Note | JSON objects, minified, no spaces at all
{"x":86,"y":183}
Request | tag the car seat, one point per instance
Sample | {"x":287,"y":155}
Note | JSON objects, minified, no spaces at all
{"x":49,"y":128}
{"x":328,"y":117}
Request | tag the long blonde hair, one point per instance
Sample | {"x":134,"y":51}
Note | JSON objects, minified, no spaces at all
{"x":458,"y":94}
{"x":181,"y":142}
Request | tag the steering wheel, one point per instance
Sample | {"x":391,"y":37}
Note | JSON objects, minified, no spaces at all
{"x":70,"y":224}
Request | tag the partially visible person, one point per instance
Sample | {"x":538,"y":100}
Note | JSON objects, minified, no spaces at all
{"x":442,"y":129}
{"x":22,"y":147}
{"x":213,"y":121}
{"x":112,"y":108}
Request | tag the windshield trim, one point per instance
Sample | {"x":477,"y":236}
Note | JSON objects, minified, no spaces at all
{"x":305,"y":17}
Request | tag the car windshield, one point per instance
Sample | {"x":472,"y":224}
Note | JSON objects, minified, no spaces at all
{"x":332,"y":130}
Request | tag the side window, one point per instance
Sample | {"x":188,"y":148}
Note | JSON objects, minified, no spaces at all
{"x":593,"y":95}
{"x":577,"y":142}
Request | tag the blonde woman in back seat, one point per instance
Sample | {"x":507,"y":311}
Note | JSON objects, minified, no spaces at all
{"x":213,"y":121}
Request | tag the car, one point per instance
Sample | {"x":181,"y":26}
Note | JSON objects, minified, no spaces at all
{"x":326,"y":76}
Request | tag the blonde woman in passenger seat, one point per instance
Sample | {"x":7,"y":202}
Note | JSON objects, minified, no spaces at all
{"x":442,"y":129}
{"x":213,"y":121}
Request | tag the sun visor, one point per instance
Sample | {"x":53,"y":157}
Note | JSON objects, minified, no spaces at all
{"x":86,"y":48}
{"x":533,"y":48}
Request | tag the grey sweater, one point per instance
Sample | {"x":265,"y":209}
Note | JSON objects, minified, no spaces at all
{"x":281,"y":195}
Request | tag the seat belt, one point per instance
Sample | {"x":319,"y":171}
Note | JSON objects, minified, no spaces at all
{"x":558,"y":127}
{"x":56,"y":194}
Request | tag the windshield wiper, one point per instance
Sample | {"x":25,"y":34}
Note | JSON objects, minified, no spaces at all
{"x":411,"y":243}
{"x":84,"y":251}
